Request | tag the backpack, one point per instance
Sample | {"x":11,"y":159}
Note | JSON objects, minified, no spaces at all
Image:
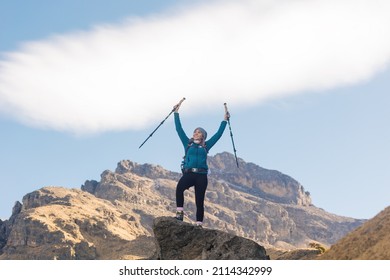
{"x":190,"y":142}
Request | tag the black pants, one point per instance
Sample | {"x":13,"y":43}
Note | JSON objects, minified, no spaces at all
{"x":199,"y":181}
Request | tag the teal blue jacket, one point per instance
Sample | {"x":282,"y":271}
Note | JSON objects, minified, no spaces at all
{"x":196,"y":156}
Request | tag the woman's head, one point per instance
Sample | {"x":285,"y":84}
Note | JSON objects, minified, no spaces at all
{"x":199,"y":134}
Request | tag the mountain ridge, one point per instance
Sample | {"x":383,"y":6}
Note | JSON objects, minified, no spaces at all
{"x":370,"y":241}
{"x":266,"y":206}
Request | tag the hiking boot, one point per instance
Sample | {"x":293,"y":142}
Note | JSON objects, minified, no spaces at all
{"x":180,"y":215}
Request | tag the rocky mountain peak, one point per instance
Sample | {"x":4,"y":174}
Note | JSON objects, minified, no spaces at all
{"x":113,"y":218}
{"x":145,"y":170}
{"x":265,"y":205}
{"x":249,"y":177}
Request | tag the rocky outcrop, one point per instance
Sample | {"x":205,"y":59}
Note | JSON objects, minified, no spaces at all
{"x":177,"y":240}
{"x":370,"y":241}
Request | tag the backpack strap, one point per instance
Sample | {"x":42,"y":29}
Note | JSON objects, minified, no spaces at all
{"x":185,"y":155}
{"x":190,"y":142}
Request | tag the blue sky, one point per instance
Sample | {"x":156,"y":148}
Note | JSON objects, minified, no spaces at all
{"x":83,"y":84}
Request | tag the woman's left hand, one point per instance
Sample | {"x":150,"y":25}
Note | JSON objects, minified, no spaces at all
{"x":227,"y":116}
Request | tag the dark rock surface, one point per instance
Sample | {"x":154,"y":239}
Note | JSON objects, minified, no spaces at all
{"x":178,"y":240}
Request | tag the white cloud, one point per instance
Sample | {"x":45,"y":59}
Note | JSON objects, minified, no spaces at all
{"x":129,"y":75}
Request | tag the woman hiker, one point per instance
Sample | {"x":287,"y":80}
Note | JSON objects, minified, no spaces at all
{"x":194,"y":165}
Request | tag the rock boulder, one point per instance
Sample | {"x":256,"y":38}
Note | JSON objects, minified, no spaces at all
{"x":178,"y":240}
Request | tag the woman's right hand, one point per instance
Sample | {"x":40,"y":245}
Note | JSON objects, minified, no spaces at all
{"x":177,"y":106}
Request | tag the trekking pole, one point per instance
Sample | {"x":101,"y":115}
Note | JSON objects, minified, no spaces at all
{"x":173,"y":110}
{"x":231,"y":133}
